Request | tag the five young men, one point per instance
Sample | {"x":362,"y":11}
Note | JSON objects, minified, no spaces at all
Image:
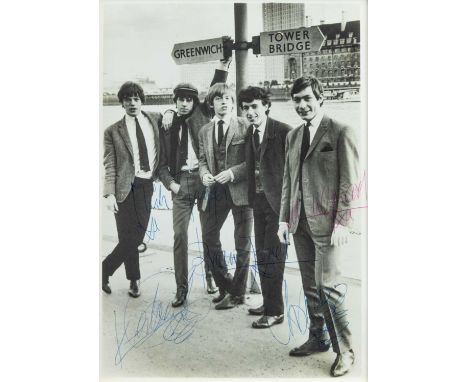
{"x":278,"y":179}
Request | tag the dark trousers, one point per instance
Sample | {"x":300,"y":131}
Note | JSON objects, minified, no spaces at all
{"x":217,"y":209}
{"x":271,"y":255}
{"x":191,"y":191}
{"x":132,"y":221}
{"x":318,"y":263}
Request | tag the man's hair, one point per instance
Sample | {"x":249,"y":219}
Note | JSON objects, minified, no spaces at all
{"x":219,"y":90}
{"x":304,"y":82}
{"x":252,"y":93}
{"x":131,"y":89}
{"x":186,"y":90}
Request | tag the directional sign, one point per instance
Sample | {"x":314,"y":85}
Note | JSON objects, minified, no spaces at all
{"x":291,"y":41}
{"x":198,"y":51}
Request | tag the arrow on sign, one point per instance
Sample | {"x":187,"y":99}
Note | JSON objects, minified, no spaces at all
{"x":291,"y":41}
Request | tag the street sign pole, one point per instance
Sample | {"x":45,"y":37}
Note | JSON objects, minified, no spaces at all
{"x":240,"y":24}
{"x":242,"y":46}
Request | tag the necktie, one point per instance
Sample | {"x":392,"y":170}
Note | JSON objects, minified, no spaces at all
{"x":142,"y":150}
{"x":256,"y":138}
{"x":184,"y":141}
{"x":220,"y":132}
{"x":307,"y":134}
{"x":305,"y":141}
{"x":304,"y":149}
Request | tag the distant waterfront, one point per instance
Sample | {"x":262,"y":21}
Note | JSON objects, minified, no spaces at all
{"x":348,"y":112}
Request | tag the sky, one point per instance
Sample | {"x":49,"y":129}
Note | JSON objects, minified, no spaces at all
{"x":137,"y":37}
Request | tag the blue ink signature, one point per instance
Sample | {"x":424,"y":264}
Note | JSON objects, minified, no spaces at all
{"x":298,"y":318}
{"x":152,"y":228}
{"x":160,"y":200}
{"x":157,"y":321}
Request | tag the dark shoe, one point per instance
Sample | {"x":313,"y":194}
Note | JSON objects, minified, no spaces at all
{"x":210,"y":286}
{"x":105,"y":283}
{"x":257,"y":311}
{"x":342,"y":364}
{"x":221,"y":296}
{"x":134,"y":289}
{"x":310,"y":347}
{"x":238,"y":300}
{"x":229,"y":302}
{"x":267,"y":321}
{"x":106,"y":288}
{"x":179,"y":299}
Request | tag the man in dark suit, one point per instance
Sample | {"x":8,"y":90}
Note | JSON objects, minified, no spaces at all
{"x":321,"y":167}
{"x":179,"y":173}
{"x":131,"y":159}
{"x":223,"y":170}
{"x":264,"y":154}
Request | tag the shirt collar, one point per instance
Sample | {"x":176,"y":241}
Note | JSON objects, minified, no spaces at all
{"x":226,"y":119}
{"x":131,"y":120}
{"x":261,"y":127}
{"x":315,"y":123}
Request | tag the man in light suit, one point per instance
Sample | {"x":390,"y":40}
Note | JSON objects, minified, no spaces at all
{"x":222,"y":168}
{"x":320,"y":169}
{"x":264,"y":157}
{"x":131,"y":158}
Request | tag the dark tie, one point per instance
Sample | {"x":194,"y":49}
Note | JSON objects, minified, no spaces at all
{"x":184,"y":142}
{"x":307,"y":135}
{"x":305,"y":141}
{"x":256,"y":138}
{"x":220,"y":132}
{"x":142,"y":150}
{"x":304,"y":149}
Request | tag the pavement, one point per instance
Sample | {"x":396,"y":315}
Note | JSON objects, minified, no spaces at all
{"x":146,"y":337}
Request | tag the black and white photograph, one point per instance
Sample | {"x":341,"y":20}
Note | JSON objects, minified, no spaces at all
{"x":233,"y":189}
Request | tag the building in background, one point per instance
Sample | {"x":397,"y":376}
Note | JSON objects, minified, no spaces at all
{"x":337,"y":65}
{"x":279,"y":16}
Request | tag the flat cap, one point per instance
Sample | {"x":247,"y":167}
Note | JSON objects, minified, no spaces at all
{"x":185,"y":88}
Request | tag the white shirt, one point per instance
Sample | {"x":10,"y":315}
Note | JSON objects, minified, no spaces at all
{"x":314,"y":125}
{"x":192,"y":160}
{"x":148,"y":133}
{"x":227,"y":120}
{"x":261,"y":130}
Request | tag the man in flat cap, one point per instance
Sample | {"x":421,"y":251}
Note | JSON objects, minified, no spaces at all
{"x":179,"y":173}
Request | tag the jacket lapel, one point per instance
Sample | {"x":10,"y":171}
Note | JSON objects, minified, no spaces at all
{"x":318,"y":134}
{"x":123,"y":131}
{"x":155,"y":127}
{"x":210,"y":148}
{"x":230,"y":133}
{"x":267,"y":136}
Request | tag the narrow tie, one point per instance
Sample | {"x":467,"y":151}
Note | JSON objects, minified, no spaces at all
{"x":307,"y":134}
{"x":256,"y":138}
{"x":142,"y":150}
{"x":220,"y":132}
{"x":184,"y":141}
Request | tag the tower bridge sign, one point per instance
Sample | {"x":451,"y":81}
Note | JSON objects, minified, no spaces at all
{"x":291,"y":41}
